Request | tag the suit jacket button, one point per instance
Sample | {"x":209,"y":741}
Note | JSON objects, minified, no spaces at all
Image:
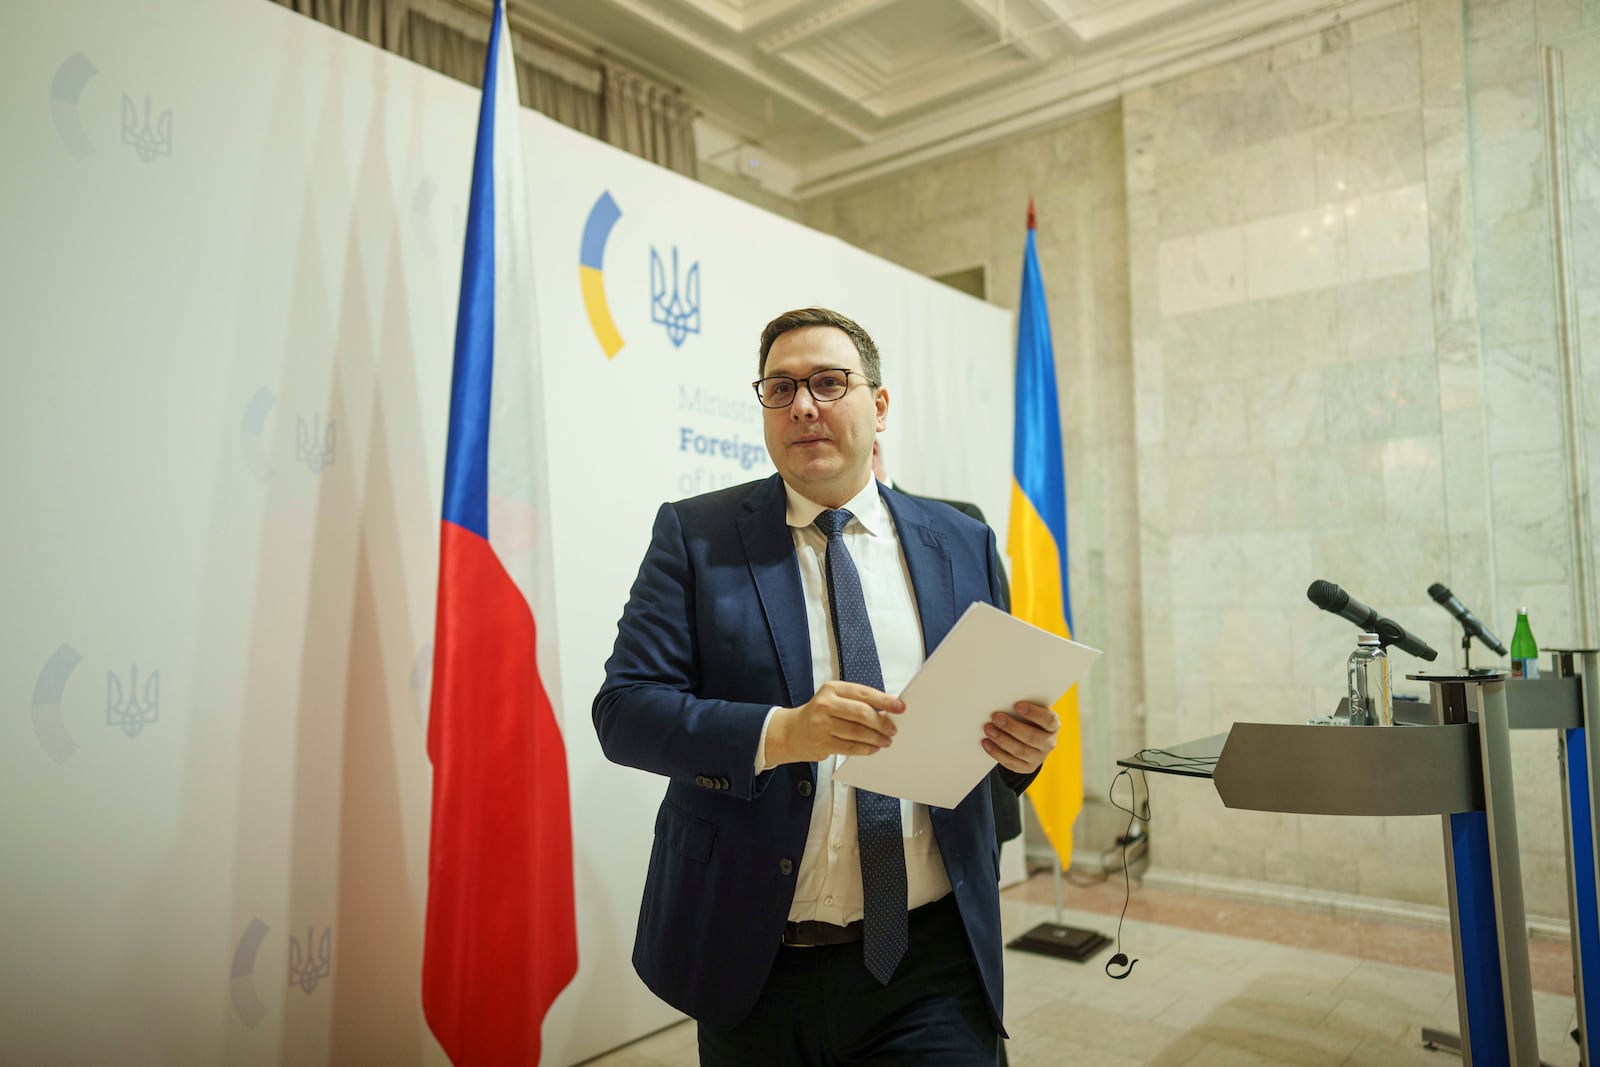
{"x":804,"y":788}
{"x":723,"y":783}
{"x":701,"y":780}
{"x":785,"y":867}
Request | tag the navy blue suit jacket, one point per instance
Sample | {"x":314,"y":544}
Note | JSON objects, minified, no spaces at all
{"x":713,"y":636}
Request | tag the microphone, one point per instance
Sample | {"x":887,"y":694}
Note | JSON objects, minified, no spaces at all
{"x":1467,"y":619}
{"x":1331,"y":598}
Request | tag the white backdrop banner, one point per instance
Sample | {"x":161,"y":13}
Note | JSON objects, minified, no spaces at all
{"x":232,"y":247}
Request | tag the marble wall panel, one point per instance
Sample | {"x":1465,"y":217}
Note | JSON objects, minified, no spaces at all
{"x":1243,"y":498}
{"x":1393,"y":564}
{"x":1389,"y":317}
{"x":1329,"y":488}
{"x":1277,"y":565}
{"x":1189,"y":504}
{"x":1523,"y":398}
{"x":1386,"y":74}
{"x":1368,"y":155}
{"x":1208,"y":419}
{"x":1208,"y":202}
{"x":1450,"y":243}
{"x":1273,"y":177}
{"x":1285,"y":412}
{"x":1203,"y":271}
{"x":1208,"y":570}
{"x":1311,"y":94}
{"x":1302,"y":330}
{"x":1377,"y":399}
{"x":1466,"y":473}
{"x":1223,"y":344}
{"x":1149,"y":395}
{"x":1294,"y":253}
{"x":1413,"y":481}
{"x":1501,"y":39}
{"x":1387,"y":233}
{"x":1530,"y":517}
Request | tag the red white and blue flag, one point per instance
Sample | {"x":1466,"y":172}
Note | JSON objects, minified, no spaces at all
{"x":501,"y":938}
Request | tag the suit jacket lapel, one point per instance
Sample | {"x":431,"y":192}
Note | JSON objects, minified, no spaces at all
{"x":929,"y":563}
{"x":769,"y":546}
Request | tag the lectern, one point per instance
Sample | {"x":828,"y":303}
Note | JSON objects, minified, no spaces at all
{"x":1457,"y":766}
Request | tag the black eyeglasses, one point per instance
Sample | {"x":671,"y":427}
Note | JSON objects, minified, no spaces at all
{"x":779,"y":390}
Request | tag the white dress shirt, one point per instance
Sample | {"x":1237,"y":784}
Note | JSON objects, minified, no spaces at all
{"x":828,"y":885}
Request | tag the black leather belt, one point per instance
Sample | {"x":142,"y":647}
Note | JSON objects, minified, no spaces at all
{"x":811,"y":933}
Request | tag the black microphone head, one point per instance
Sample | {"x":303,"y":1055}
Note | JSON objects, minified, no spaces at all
{"x":1439,"y":592}
{"x":1327,"y":596}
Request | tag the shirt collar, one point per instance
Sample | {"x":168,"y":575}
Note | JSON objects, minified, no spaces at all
{"x":867,"y":507}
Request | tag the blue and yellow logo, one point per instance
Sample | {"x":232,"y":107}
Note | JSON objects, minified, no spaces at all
{"x":591,"y":272}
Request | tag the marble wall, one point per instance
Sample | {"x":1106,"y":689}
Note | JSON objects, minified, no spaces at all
{"x":1314,"y":328}
{"x":971,"y":211}
{"x":1533,"y":91}
{"x":1347,"y":366}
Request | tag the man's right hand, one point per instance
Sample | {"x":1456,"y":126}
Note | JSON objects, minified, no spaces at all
{"x":843,"y":718}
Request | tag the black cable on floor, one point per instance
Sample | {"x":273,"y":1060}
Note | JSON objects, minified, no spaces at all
{"x":1120,"y":959}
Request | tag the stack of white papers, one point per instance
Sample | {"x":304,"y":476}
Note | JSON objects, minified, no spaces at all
{"x":986,"y":663}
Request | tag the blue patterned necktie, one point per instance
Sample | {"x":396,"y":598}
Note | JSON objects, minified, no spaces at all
{"x":883,"y":855}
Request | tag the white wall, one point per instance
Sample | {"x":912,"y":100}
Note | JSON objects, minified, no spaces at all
{"x":179,"y":331}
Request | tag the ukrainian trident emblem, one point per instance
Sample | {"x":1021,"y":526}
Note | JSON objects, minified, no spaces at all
{"x":148,"y":139}
{"x":313,"y":445}
{"x":129,"y":708}
{"x":307,"y":967}
{"x":679,"y":309}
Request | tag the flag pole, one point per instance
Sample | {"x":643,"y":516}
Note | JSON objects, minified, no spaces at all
{"x":1056,"y":869}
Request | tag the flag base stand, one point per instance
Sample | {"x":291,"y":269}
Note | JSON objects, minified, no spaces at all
{"x":1057,"y":939}
{"x":1066,"y":942}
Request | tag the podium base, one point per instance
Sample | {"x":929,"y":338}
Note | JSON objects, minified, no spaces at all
{"x":1068,"y":942}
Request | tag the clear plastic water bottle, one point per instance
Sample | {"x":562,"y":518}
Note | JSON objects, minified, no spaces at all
{"x":1370,"y":701}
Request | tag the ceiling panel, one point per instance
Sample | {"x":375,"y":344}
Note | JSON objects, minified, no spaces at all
{"x":842,"y":89}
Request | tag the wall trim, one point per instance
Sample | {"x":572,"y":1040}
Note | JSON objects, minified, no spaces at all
{"x":1354,"y":905}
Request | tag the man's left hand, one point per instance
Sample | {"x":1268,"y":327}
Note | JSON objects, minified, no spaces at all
{"x":1021,"y":739}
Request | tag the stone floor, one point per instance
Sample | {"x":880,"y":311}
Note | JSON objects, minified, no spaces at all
{"x":1222,"y":982}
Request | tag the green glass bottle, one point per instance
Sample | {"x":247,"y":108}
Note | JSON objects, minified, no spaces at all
{"x":1524,"y":650}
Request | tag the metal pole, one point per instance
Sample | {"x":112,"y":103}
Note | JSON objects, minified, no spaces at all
{"x":1056,"y":868}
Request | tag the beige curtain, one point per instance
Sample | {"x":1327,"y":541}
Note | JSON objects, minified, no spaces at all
{"x":649,"y":120}
{"x":605,"y":101}
{"x":374,"y":21}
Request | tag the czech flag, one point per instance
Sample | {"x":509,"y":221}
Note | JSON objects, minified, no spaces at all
{"x":1037,"y":543}
{"x":501,"y":936}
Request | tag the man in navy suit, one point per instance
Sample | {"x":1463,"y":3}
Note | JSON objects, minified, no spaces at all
{"x":773,"y":912}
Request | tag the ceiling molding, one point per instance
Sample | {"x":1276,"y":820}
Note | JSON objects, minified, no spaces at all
{"x":824,"y":20}
{"x":843,"y":91}
{"x":996,"y":16}
{"x":1064,"y":94}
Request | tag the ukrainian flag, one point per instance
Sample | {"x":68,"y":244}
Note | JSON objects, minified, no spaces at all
{"x":1037,"y":543}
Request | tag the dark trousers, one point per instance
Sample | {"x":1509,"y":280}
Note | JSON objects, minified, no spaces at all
{"x":821,"y":1007}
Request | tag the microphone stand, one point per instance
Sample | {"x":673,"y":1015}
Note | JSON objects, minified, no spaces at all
{"x":1466,"y":654}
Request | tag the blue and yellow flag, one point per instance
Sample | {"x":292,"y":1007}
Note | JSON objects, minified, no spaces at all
{"x":1037,"y":542}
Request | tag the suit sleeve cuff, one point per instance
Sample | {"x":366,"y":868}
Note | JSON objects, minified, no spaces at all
{"x":761,"y":743}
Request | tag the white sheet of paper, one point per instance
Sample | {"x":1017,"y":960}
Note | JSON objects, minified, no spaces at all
{"x":986,"y":663}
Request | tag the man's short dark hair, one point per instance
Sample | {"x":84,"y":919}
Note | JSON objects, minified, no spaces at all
{"x":803,"y":317}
